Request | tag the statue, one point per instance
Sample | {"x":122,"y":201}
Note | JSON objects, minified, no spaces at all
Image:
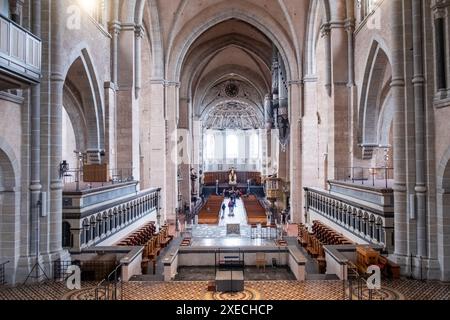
{"x":232,"y":177}
{"x":194,"y":177}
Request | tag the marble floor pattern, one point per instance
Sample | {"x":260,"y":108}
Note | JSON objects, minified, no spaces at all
{"x":267,"y":290}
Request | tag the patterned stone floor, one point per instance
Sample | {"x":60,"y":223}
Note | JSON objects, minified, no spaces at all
{"x":265,"y":290}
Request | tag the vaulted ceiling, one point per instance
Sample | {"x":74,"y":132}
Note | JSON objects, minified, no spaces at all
{"x":228,"y":69}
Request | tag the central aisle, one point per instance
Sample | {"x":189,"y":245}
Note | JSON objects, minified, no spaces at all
{"x":240,"y":216}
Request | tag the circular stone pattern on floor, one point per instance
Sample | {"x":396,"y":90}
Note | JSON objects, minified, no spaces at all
{"x":247,"y":294}
{"x":385,"y":293}
{"x":83,"y":294}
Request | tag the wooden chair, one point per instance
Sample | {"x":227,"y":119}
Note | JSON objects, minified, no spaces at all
{"x":261,"y":260}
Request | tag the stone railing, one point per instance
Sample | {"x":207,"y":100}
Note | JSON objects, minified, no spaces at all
{"x":358,"y":219}
{"x":20,"y":52}
{"x":102,"y":223}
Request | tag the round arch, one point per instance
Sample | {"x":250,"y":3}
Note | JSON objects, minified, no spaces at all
{"x":9,"y":206}
{"x":181,"y":44}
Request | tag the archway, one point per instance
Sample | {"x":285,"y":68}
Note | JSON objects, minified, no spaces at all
{"x":376,"y":110}
{"x":9,"y":209}
{"x":82,"y":119}
{"x":443,"y":210}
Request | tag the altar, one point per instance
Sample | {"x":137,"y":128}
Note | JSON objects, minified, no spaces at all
{"x":230,"y":281}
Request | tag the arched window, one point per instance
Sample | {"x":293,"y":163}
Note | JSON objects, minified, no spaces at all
{"x":96,"y":9}
{"x":232,"y":146}
{"x":254,"y":146}
{"x":440,"y":53}
{"x":210,"y":146}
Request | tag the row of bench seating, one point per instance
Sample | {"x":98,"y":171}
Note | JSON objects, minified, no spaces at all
{"x":256,"y":213}
{"x":209,"y":214}
{"x":139,"y":237}
{"x":328,"y":236}
{"x":314,"y":242}
{"x":153,"y":247}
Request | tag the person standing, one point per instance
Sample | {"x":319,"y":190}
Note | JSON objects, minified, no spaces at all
{"x":223,"y":210}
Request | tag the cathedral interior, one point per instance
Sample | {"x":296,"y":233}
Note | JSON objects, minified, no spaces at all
{"x":210,"y":149}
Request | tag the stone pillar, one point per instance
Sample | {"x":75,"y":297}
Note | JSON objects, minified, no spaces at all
{"x":296,"y":156}
{"x":56,"y":105}
{"x":110,"y":125}
{"x":76,"y":239}
{"x":418,"y":83}
{"x":128,"y":158}
{"x":171,"y":117}
{"x":398,"y":96}
{"x":325,"y":33}
{"x":350,"y":28}
{"x":139,"y":33}
{"x":338,"y":147}
{"x":352,"y":89}
{"x":35,"y":155}
{"x":158,"y":135}
{"x":184,"y":149}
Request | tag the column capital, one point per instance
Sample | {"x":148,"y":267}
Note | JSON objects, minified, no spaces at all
{"x":297,"y":82}
{"x":139,"y":31}
{"x":115,"y":27}
{"x":325,"y":29}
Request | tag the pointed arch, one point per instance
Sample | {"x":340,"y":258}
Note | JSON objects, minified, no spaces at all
{"x":373,"y":92}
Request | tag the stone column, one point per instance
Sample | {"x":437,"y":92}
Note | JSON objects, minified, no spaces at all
{"x":325,"y":33}
{"x":184,"y":149}
{"x":158,"y":135}
{"x":398,"y":96}
{"x":128,"y":158}
{"x":418,"y":83}
{"x":197,"y":145}
{"x":296,"y":156}
{"x":339,"y":117}
{"x":171,"y":118}
{"x":114,"y":29}
{"x":350,"y":28}
{"x":56,"y":105}
{"x":76,"y":239}
{"x":35,"y":155}
{"x":352,"y":89}
{"x":139,"y":33}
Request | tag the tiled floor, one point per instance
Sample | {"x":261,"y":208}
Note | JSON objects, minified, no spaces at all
{"x":250,"y":274}
{"x":266,"y":290}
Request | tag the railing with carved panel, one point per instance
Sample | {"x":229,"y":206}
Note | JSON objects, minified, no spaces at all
{"x":20,"y":53}
{"x":355,"y":217}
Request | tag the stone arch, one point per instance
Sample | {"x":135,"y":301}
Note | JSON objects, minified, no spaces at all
{"x":83,"y":102}
{"x":443,"y":209}
{"x":373,"y":94}
{"x":193,"y":29}
{"x":9,"y":208}
{"x":319,"y":12}
{"x":380,"y":230}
